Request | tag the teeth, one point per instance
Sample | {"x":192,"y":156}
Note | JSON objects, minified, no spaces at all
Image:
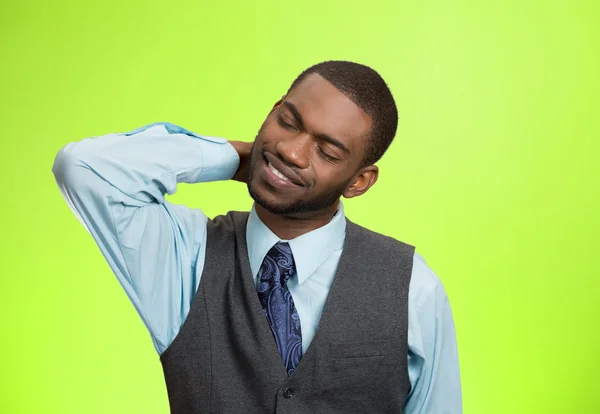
{"x":277,"y":173}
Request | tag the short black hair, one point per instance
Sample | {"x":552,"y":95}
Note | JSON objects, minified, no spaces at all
{"x":367,"y":89}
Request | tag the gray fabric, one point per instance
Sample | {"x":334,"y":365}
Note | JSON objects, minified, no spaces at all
{"x":225,"y":360}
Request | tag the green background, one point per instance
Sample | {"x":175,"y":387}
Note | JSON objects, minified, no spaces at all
{"x":494,"y":176}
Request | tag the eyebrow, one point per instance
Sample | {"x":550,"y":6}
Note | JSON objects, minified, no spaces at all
{"x":320,"y":135}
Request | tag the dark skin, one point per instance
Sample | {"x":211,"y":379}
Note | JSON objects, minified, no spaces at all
{"x":317,"y":137}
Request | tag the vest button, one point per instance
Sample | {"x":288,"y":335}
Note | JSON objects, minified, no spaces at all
{"x":288,"y":392}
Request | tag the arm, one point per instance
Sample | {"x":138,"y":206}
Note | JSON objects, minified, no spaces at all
{"x":433,"y":357}
{"x":116,"y":185}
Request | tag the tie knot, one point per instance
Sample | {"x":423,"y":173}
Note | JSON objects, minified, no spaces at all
{"x":280,"y":260}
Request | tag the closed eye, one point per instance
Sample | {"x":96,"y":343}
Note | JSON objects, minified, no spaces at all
{"x":327,"y":156}
{"x":284,"y":124}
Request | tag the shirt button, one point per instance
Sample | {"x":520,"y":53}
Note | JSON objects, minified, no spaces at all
{"x":288,"y":392}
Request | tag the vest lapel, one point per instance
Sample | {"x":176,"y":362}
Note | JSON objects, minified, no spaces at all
{"x":250,"y":292}
{"x":345,"y":268}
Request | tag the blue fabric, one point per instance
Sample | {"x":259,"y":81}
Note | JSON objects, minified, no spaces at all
{"x":116,"y":185}
{"x":278,"y":304}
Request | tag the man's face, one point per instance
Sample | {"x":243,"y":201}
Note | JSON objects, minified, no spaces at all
{"x":308,"y":150}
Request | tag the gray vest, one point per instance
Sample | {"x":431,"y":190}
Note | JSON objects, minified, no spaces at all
{"x":224,"y":359}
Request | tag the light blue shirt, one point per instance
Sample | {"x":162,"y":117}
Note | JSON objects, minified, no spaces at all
{"x":116,"y":185}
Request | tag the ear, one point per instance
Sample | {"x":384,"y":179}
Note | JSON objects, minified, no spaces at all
{"x":363,"y":180}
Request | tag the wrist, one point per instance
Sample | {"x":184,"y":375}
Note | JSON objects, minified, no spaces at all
{"x":244,"y":150}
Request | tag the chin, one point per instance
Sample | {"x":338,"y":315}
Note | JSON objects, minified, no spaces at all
{"x":296,"y":207}
{"x":269,"y":202}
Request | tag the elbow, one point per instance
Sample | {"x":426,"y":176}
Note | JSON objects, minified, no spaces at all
{"x":67,"y":166}
{"x":61,"y":161}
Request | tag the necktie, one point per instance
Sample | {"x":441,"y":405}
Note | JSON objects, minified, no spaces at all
{"x":278,"y":305}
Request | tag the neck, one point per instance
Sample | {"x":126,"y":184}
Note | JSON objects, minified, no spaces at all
{"x":288,"y":227}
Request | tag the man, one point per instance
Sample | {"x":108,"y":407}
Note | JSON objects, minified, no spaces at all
{"x":291,"y":307}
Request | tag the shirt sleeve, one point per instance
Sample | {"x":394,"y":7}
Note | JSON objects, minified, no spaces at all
{"x":115,"y":185}
{"x":433,"y":355}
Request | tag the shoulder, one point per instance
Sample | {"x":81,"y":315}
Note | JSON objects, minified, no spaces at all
{"x":425,"y":285}
{"x":228,"y":221}
{"x":385,"y":244}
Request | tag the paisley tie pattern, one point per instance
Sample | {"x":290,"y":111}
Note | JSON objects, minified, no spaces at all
{"x":278,"y":305}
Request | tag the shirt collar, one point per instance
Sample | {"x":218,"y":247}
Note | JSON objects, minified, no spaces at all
{"x":309,"y":250}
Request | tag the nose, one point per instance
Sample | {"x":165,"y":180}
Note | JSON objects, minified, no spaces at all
{"x":295,"y":151}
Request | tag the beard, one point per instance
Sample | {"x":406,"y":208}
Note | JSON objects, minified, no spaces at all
{"x":312,"y":203}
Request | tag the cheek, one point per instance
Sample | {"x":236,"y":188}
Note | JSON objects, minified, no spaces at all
{"x":329,"y":176}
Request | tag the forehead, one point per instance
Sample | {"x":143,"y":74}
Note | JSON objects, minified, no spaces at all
{"x":325,"y":109}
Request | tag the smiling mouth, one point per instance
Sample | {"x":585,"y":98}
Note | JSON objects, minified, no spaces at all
{"x":284,"y":175}
{"x":277,"y":172}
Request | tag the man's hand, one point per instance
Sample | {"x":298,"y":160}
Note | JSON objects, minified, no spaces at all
{"x":243,"y":149}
